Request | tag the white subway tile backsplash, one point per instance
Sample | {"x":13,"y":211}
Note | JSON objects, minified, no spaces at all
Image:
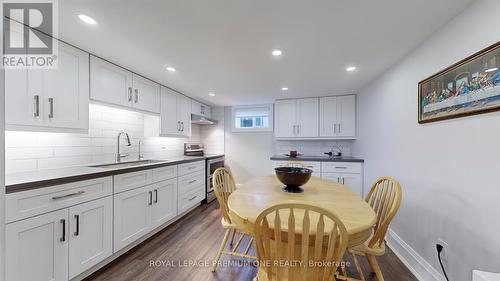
{"x":28,"y":151}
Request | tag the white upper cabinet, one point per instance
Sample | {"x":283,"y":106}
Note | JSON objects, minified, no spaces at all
{"x":307,"y":117}
{"x":50,"y":98}
{"x":175,"y":114}
{"x":285,"y":118}
{"x":110,"y":83}
{"x":146,"y":94}
{"x":338,"y":117}
{"x":200,"y":109}
{"x":296,"y":118}
{"x":115,"y":85}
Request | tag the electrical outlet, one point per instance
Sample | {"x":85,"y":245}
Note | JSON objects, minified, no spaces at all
{"x":444,"y":253}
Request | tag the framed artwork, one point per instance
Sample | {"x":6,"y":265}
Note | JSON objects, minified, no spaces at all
{"x":471,"y":86}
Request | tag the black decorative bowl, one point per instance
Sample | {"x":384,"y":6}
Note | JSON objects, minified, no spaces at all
{"x":293,"y":178}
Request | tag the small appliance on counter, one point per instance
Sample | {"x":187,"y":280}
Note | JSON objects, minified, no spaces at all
{"x":194,"y":149}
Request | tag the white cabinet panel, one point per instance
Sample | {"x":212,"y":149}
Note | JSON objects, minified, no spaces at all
{"x":328,"y":116}
{"x":110,"y":83}
{"x":191,"y":167}
{"x":200,"y":109}
{"x":190,"y":182}
{"x":164,"y":206}
{"x":307,"y":117}
{"x":338,"y":116}
{"x":90,"y":234}
{"x":164,"y":173}
{"x":354,"y":182}
{"x":285,"y":118}
{"x":132,"y":216}
{"x":346,"y":116}
{"x":37,"y":248}
{"x":132,"y":180}
{"x":185,"y":115}
{"x":66,"y":89}
{"x":169,"y":122}
{"x":146,"y":94}
{"x":189,"y":200}
{"x":50,"y":98}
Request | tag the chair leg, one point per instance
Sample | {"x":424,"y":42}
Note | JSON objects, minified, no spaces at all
{"x":372,"y":260}
{"x":232,"y":237}
{"x":358,"y":267}
{"x":221,"y":248}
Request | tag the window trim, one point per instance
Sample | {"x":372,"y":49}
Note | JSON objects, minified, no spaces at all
{"x":234,"y":109}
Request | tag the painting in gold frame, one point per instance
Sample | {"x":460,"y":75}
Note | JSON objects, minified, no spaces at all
{"x":471,"y":86}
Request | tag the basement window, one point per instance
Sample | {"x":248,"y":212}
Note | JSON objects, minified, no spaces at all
{"x":254,"y":118}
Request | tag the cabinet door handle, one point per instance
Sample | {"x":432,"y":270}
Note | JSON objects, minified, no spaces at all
{"x":68,"y":195}
{"x":338,"y":179}
{"x":294,"y":129}
{"x":156,"y":195}
{"x":129,"y":93}
{"x":334,"y":128}
{"x":36,"y":112}
{"x":51,"y":107}
{"x":182,"y":123}
{"x":298,"y":129}
{"x":77,"y":221}
{"x":343,"y":180}
{"x":193,"y":181}
{"x":192,"y":198}
{"x":178,"y":126}
{"x":340,"y":167}
{"x":340,"y":130}
{"x":63,"y":237}
{"x":150,"y":198}
{"x":136,"y":95}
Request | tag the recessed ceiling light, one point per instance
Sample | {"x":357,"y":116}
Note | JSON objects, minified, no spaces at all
{"x":350,"y":69}
{"x":87,"y":19}
{"x":492,"y":69}
{"x":284,"y":89}
{"x":277,"y":53}
{"x":171,"y":69}
{"x":211,"y":94}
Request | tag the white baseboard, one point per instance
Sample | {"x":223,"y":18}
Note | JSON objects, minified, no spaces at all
{"x":422,"y":270}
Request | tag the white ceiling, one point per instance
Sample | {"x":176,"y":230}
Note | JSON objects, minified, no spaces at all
{"x":224,"y":46}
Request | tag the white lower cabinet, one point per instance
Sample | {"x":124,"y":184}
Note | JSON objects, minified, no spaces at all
{"x":132,"y":216}
{"x":90,"y":234}
{"x":138,"y":211}
{"x":37,"y":248}
{"x":164,"y":202}
{"x":349,"y":174}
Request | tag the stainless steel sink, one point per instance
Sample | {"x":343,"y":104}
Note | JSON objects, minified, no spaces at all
{"x":127,"y":164}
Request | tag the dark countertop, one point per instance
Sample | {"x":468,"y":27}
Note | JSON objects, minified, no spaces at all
{"x":21,"y":181}
{"x":316,"y":159}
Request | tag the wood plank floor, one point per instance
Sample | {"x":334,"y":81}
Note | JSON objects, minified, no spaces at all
{"x":196,"y":237}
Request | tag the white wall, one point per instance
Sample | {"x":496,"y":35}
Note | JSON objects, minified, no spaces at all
{"x":26,"y":151}
{"x":247,"y":154}
{"x":2,"y":168}
{"x":213,"y":135}
{"x":449,"y":170}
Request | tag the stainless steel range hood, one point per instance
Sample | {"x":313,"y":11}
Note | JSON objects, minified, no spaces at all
{"x":201,"y":120}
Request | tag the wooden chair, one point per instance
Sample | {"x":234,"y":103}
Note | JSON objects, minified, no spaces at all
{"x":296,"y":235}
{"x":385,"y":198}
{"x":223,"y":187}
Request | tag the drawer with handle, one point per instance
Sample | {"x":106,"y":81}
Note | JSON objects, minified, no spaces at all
{"x":191,"y":182}
{"x":191,"y":167}
{"x":341,"y":167}
{"x":191,"y":199}
{"x":24,"y":204}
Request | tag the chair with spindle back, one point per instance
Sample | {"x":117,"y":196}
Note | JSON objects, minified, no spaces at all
{"x":385,"y":198}
{"x":299,"y":242}
{"x":224,"y":185}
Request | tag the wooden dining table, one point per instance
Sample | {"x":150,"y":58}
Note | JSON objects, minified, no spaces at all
{"x":251,"y":198}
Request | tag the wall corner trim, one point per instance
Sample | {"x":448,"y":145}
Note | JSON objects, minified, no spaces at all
{"x":422,"y":269}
